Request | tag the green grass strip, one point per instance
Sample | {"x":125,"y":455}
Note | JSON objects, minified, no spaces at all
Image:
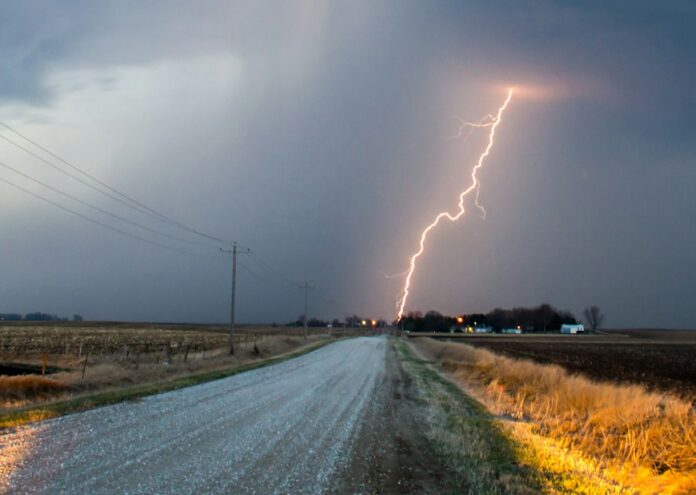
{"x":480,"y":457}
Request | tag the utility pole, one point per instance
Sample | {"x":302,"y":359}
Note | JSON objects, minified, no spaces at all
{"x":306,"y":288}
{"x":234,"y":253}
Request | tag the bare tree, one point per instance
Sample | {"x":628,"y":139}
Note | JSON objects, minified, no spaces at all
{"x":544,"y":315}
{"x":594,"y":317}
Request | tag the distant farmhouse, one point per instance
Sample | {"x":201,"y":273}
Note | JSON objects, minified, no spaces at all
{"x":572,"y":329}
{"x":470,"y":329}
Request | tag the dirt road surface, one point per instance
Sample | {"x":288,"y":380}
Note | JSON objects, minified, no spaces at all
{"x":338,"y":420}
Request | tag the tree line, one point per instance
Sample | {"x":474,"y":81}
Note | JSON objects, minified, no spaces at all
{"x":36,"y":316}
{"x":540,"y":318}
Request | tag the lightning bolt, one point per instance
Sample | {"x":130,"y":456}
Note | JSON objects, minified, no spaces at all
{"x":490,"y":122}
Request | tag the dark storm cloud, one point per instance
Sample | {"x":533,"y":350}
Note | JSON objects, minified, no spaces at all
{"x":313,"y":132}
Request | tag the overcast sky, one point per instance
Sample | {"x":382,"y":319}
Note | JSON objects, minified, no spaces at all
{"x":318,"y":134}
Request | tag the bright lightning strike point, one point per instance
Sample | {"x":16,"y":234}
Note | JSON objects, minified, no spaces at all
{"x":492,"y":123}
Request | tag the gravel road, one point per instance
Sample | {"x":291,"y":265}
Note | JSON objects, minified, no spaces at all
{"x":314,"y":424}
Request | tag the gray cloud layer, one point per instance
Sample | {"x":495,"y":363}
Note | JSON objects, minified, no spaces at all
{"x":315,"y":134}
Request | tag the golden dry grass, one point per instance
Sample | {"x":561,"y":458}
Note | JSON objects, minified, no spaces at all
{"x":28,"y":387}
{"x":113,"y":395}
{"x":642,"y":441}
{"x":111,"y":372}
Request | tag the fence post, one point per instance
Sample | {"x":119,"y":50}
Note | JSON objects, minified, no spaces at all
{"x":84,"y":366}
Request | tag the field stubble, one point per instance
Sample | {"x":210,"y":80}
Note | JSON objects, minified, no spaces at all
{"x":660,"y":360}
{"x":104,"y":357}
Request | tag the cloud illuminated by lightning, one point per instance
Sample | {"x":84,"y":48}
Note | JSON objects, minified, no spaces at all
{"x":393,"y":275}
{"x":492,"y":123}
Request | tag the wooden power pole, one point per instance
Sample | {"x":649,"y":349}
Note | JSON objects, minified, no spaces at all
{"x":234,"y":251}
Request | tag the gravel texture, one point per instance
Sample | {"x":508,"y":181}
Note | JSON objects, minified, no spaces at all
{"x":288,"y":428}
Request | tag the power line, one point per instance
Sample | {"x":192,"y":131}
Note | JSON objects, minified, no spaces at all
{"x":126,"y":201}
{"x":130,"y":202}
{"x":281,"y":278}
{"x":74,"y":177}
{"x":101,"y":210}
{"x":106,"y":226}
{"x":263,"y":279}
{"x":280,"y":275}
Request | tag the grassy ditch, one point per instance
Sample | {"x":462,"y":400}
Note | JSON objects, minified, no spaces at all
{"x":581,"y":436}
{"x":59,"y":408}
{"x":479,"y":455}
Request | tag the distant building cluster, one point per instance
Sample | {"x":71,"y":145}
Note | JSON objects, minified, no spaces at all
{"x":538,"y":319}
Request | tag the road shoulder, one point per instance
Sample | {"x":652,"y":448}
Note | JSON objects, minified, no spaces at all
{"x":478,"y":456}
{"x":391,"y":453}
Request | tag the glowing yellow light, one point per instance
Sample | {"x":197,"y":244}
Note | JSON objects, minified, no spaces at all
{"x":374,"y":323}
{"x":364,"y":322}
{"x":460,"y":319}
{"x":475,"y":186}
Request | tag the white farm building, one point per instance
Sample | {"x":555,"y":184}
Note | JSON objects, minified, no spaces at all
{"x":572,"y":329}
